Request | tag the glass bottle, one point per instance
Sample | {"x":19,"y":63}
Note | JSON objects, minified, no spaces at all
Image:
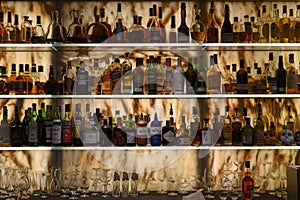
{"x":259,"y":126}
{"x":236,"y":129}
{"x":182,"y":135}
{"x":236,"y":30}
{"x":214,"y":76}
{"x":168,"y":134}
{"x":106,"y":82}
{"x":50,"y":87}
{"x":79,"y":125}
{"x":76,"y":31}
{"x":212,"y":27}
{"x":116,"y":76}
{"x":26,"y":30}
{"x":179,"y":77}
{"x":20,"y":85}
{"x":130,"y":129}
{"x":104,"y":22}
{"x":28,"y":79}
{"x":195,"y":129}
{"x":119,"y":135}
{"x":127,"y":75}
{"x":1,"y":26}
{"x":3,"y":81}
{"x":183,"y":29}
{"x":18,"y":31}
{"x":226,"y":29}
{"x":247,"y":183}
{"x":265,"y":30}
{"x":48,"y":125}
{"x":68,"y":80}
{"x":255,"y":30}
{"x":5,"y":129}
{"x":169,"y":78}
{"x":155,"y":132}
{"x":190,"y":78}
{"x":57,"y":128}
{"x":25,"y":124}
{"x":67,"y":127}
{"x":42,"y":78}
{"x":138,"y":77}
{"x":206,"y":133}
{"x":275,"y":32}
{"x":260,"y":83}
{"x":16,"y":130}
{"x":137,"y":33}
{"x":36,"y":79}
{"x":198,"y":29}
{"x":82,"y":85}
{"x":38,"y":35}
{"x":292,"y":76}
{"x":227,"y":129}
{"x":297,"y":25}
{"x":228,"y":81}
{"x":153,"y":26}
{"x":119,"y":17}
{"x":242,"y":79}
{"x":247,"y":30}
{"x":173,"y":31}
{"x":90,"y":133}
{"x":289,"y":120}
{"x":201,"y":75}
{"x":55,"y":32}
{"x":292,"y":23}
{"x":33,"y":134}
{"x":141,"y":131}
{"x":281,"y":77}
{"x":162,"y":29}
{"x":248,"y":134}
{"x":152,"y":74}
{"x":160,"y":75}
{"x":97,"y":32}
{"x":284,"y":26}
{"x":9,"y":33}
{"x":272,"y":80}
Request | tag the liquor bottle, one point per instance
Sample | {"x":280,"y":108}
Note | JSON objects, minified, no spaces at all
{"x":68,"y":80}
{"x":44,"y":114}
{"x":242,"y":79}
{"x":38,"y":34}
{"x":82,"y":85}
{"x":67,"y":127}
{"x":289,"y":120}
{"x":1,"y":26}
{"x":152,"y":74}
{"x":160,"y":76}
{"x":212,"y":27}
{"x":78,"y":126}
{"x":169,"y":78}
{"x":36,"y":80}
{"x":297,"y":25}
{"x":55,"y":33}
{"x":116,"y":76}
{"x":248,"y":183}
{"x":137,"y":33}
{"x":26,"y":30}
{"x":4,"y":130}
{"x":201,"y":75}
{"x":119,"y":17}
{"x":138,"y":77}
{"x":179,"y":77}
{"x":260,"y":83}
{"x":9,"y":33}
{"x":97,"y":32}
{"x":42,"y":79}
{"x":292,"y":76}
{"x":259,"y":126}
{"x":275,"y":32}
{"x":168,"y":134}
{"x":119,"y":32}
{"x":247,"y":30}
{"x":141,"y":131}
{"x":155,"y":132}
{"x":119,"y":135}
{"x":130,"y":129}
{"x":173,"y":31}
{"x":228,"y":81}
{"x":284,"y":26}
{"x":105,"y":134}
{"x":183,"y":29}
{"x":214,"y":76}
{"x":50,"y":86}
{"x":265,"y":30}
{"x":195,"y":129}
{"x":76,"y":32}
{"x":182,"y":135}
{"x":162,"y":29}
{"x":20,"y":84}
{"x":3,"y":81}
{"x":255,"y":30}
{"x":236,"y":30}
{"x":127,"y":75}
{"x":41,"y":135}
{"x":90,"y":131}
{"x":33,"y":134}
{"x":281,"y":77}
{"x":105,"y":85}
{"x":217,"y":126}
{"x":153,"y":27}
{"x":272,"y":80}
{"x":16,"y":130}
{"x":25,"y":124}
{"x":12,"y":80}
{"x":57,"y":128}
{"x":227,"y":129}
{"x":198,"y":29}
{"x":190,"y":77}
{"x":48,"y":125}
{"x":28,"y":79}
{"x":248,"y":134}
{"x":226,"y":30}
{"x":236,"y":129}
{"x":104,"y":22}
{"x":206,"y":134}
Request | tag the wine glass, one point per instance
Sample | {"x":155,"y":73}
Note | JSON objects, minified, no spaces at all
{"x":172,"y":179}
{"x":223,"y":194}
{"x":64,"y":183}
{"x":210,"y":180}
{"x":105,"y":177}
{"x":74,"y":184}
{"x":94,"y":176}
{"x":85,"y":184}
{"x":160,"y":176}
{"x":196,"y":182}
{"x":10,"y":182}
{"x":184,"y":183}
{"x":144,"y":184}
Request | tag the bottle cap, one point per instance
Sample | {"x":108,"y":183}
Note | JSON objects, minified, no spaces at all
{"x":271,"y":56}
{"x":40,"y":68}
{"x":119,"y":7}
{"x":247,"y":164}
{"x":183,"y":5}
{"x":67,"y":107}
{"x":235,"y":19}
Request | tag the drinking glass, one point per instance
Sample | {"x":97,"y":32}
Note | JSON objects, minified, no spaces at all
{"x":105,"y":177}
{"x":94,"y":176}
{"x":184,"y":184}
{"x":74,"y":184}
{"x":223,"y":194}
{"x":23,"y":183}
{"x":85,"y":184}
{"x":10,"y":182}
{"x":64,"y":183}
{"x":257,"y":183}
{"x":144,"y":184}
{"x":172,"y":179}
{"x":196,"y":182}
{"x":160,"y":176}
{"x":210,"y":180}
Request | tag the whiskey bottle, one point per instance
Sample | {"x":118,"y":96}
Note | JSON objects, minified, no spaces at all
{"x":130,"y":132}
{"x":212,"y":27}
{"x":195,"y":129}
{"x":275,"y":32}
{"x":259,"y":126}
{"x":55,"y":33}
{"x":236,"y":30}
{"x":20,"y":84}
{"x":242,"y":80}
{"x":284,"y":26}
{"x":4,"y":129}
{"x":141,"y":131}
{"x":116,"y":76}
{"x":33,"y":134}
{"x":214,"y":76}
{"x":281,"y":77}
{"x":272,"y":80}
{"x":68,"y":80}
{"x":226,"y":30}
{"x":57,"y":128}
{"x":160,"y":76}
{"x":236,"y":129}
{"x":173,"y":31}
{"x":155,"y":132}
{"x":126,"y":75}
{"x":206,"y":134}
{"x":168,"y":82}
{"x":50,"y":87}
{"x":76,"y":32}
{"x":9,"y":33}
{"x":200,"y":87}
{"x":41,"y":135}
{"x":25,"y":124}
{"x":179,"y":77}
{"x":248,"y":183}
{"x":292,"y":24}
{"x":265,"y":30}
{"x":48,"y":126}
{"x":78,"y":126}
{"x":28,"y":79}
{"x":105,"y":84}
{"x":152,"y":74}
{"x":103,"y":21}
{"x":227,"y":129}
{"x":228,"y":81}
{"x":297,"y":25}
{"x":217,"y":126}
{"x":16,"y":130}
{"x":260,"y":83}
{"x":26,"y":28}
{"x":248,"y":134}
{"x":292,"y":76}
{"x":183,"y":29}
{"x":3,"y":81}
{"x":162,"y":29}
{"x":97,"y":32}
{"x":198,"y":29}
{"x":138,"y":77}
{"x":12,"y":80}
{"x":38,"y":34}
{"x":67,"y":127}
{"x":190,"y":77}
{"x":90,"y":132}
{"x":82,"y":85}
{"x":119,"y":135}
{"x":36,"y":79}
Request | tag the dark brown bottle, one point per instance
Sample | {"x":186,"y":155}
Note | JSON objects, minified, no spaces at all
{"x":119,"y":135}
{"x":168,"y":134}
{"x":50,"y":86}
{"x":242,"y":80}
{"x":183,"y":29}
{"x":141,"y":131}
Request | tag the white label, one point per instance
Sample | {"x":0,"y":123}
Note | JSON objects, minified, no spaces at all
{"x":91,"y":137}
{"x":206,"y":137}
{"x":33,"y":129}
{"x":56,"y":134}
{"x":155,"y":131}
{"x":142,"y":132}
{"x":169,"y":136}
{"x":130,"y":139}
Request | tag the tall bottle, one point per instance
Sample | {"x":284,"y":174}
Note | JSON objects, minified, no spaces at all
{"x":284,"y":26}
{"x":20,"y":85}
{"x":275,"y":32}
{"x":105,"y":81}
{"x":155,"y":132}
{"x":127,"y":75}
{"x":226,"y":30}
{"x":265,"y":30}
{"x":259,"y":126}
{"x":247,"y":30}
{"x":28,"y":79}
{"x":228,"y":81}
{"x":36,"y":80}
{"x":236,"y":129}
{"x":214,"y":76}
{"x":260,"y":83}
{"x":50,"y":87}
{"x":292,"y":76}
{"x":169,"y":78}
{"x":78,"y":123}
{"x":281,"y":77}
{"x":242,"y":79}
{"x":130,"y":130}
{"x":82,"y":85}
{"x":272,"y":80}
{"x":33,"y":134}
{"x":182,"y":135}
{"x":153,"y":26}
{"x":68,"y":80}
{"x":248,"y":183}
{"x":67,"y":127}
{"x":227,"y":129}
{"x":90,"y":130}
{"x":12,"y":79}
{"x":236,"y":30}
{"x":297,"y":25}
{"x":212,"y":27}
{"x":116,"y":76}
{"x":183,"y":29}
{"x":172,"y":31}
{"x":190,"y":77}
{"x":138,"y":77}
{"x":16,"y":130}
{"x":179,"y":77}
{"x":119,"y":135}
{"x":152,"y":74}
{"x":57,"y":128}
{"x":195,"y":131}
{"x":248,"y":134}
{"x":104,"y":22}
{"x":5,"y":129}
{"x":255,"y":30}
{"x":42,"y":78}
{"x":38,"y":34}
{"x":141,"y":131}
{"x":26,"y":30}
{"x":162,"y":29}
{"x":289,"y":120}
{"x":48,"y":126}
{"x":201,"y":75}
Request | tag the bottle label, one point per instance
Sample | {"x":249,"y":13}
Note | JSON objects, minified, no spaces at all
{"x":274,"y":30}
{"x":212,"y":35}
{"x":259,"y":133}
{"x":20,"y":87}
{"x":91,"y":138}
{"x":272,"y":84}
{"x":82,"y":83}
{"x":142,"y":132}
{"x":242,"y":86}
{"x":56,"y":134}
{"x":227,"y":134}
{"x":297,"y":30}
{"x":127,"y":83}
{"x":285,"y":30}
{"x":48,"y":134}
{"x":206,"y":137}
{"x":155,"y":133}
{"x":214,"y":81}
{"x":292,"y":81}
{"x":154,"y":35}
{"x":169,"y":136}
{"x":138,"y":82}
{"x":265,"y":31}
{"x":69,"y":83}
{"x":67,"y":133}
{"x":33,"y":132}
{"x":226,"y":37}
{"x":247,"y":136}
{"x":182,"y":38}
{"x":130,"y":139}
{"x":183,"y":140}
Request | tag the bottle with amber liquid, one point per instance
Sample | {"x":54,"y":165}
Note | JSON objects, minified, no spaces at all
{"x":242,"y":79}
{"x":198,"y":29}
{"x":183,"y":29}
{"x":76,"y":32}
{"x":29,"y":80}
{"x":20,"y":85}
{"x":141,"y":131}
{"x":247,"y":183}
{"x":191,"y":77}
{"x":97,"y":32}
{"x":68,"y":80}
{"x":3,"y":81}
{"x":105,"y":85}
{"x":67,"y":127}
{"x":38,"y":34}
{"x":9,"y":34}
{"x":227,"y":129}
{"x":127,"y":75}
{"x":119,"y":134}
{"x":212,"y":27}
{"x":226,"y":30}
{"x":292,"y":76}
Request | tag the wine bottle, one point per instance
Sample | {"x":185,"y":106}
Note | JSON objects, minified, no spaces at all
{"x":226,"y":30}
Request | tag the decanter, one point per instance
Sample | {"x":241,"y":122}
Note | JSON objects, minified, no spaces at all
{"x":76,"y":32}
{"x":54,"y":32}
{"x":97,"y":32}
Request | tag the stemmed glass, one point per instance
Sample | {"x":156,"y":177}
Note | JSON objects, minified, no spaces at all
{"x":236,"y":184}
{"x":223,"y":194}
{"x":144,"y":184}
{"x":257,"y":182}
{"x":172,"y":179}
{"x":105,"y":177}
{"x":85,"y":184}
{"x":94,"y":176}
{"x":161,"y":177}
{"x":74,"y":184}
{"x":64,"y":183}
{"x":184,"y":183}
{"x":210,"y":180}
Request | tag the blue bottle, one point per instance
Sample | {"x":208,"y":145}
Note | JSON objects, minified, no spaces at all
{"x":155,"y":132}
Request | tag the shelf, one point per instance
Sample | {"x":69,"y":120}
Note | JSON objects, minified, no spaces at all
{"x":152,"y":148}
{"x":26,"y":48}
{"x":252,"y":46}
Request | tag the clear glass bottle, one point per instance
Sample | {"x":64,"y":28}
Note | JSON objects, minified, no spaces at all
{"x":212,"y":27}
{"x":265,"y":30}
{"x":247,"y":30}
{"x":153,"y":26}
{"x":55,"y":33}
{"x":228,"y":81}
{"x":18,"y":31}
{"x":236,"y":30}
{"x":173,"y":31}
{"x":275,"y":32}
{"x":255,"y":32}
{"x":284,"y":26}
{"x":82,"y":84}
{"x":36,"y":79}
{"x":127,"y":75}
{"x":9,"y":33}
{"x":227,"y":129}
{"x":26,"y":30}
{"x":38,"y":34}
{"x":169,"y":78}
{"x":260,"y":83}
{"x":214,"y":76}
{"x":201,"y":75}
{"x":198,"y":29}
{"x":151,"y":75}
{"x":292,"y":76}
{"x":162,"y":28}
{"x":76,"y":31}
